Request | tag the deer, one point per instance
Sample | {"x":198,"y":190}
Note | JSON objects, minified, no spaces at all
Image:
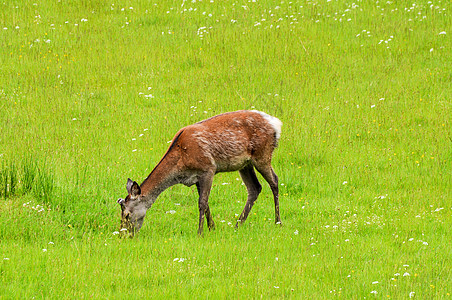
{"x":234,"y":141}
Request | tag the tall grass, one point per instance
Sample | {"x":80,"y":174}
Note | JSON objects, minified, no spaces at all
{"x":44,"y":186}
{"x":8,"y":180}
{"x":29,"y":171}
{"x":91,"y":93}
{"x":37,"y":180}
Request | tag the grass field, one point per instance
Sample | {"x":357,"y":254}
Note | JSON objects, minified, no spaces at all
{"x":92,"y":91}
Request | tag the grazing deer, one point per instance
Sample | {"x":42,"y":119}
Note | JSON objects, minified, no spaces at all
{"x":234,"y":141}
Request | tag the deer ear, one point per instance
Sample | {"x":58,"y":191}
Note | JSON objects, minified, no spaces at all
{"x":129,"y":185}
{"x":136,"y":190}
{"x":133,"y":188}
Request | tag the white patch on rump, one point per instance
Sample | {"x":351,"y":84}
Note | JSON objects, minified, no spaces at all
{"x":273,"y":121}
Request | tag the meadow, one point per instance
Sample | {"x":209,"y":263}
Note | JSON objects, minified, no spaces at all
{"x":91,"y":93}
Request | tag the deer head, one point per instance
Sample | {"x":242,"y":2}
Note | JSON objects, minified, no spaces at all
{"x":133,"y":210}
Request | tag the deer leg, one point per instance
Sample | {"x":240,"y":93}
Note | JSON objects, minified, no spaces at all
{"x":204,"y":185}
{"x":272,"y":179}
{"x":253,"y":187}
{"x":210,"y":223}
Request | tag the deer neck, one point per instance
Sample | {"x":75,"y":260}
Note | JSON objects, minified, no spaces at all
{"x":162,"y":177}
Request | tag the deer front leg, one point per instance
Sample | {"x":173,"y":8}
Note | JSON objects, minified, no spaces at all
{"x":204,"y":186}
{"x":210,"y":223}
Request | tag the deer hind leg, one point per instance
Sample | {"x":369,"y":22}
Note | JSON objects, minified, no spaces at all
{"x":253,"y":187}
{"x":270,"y":176}
{"x":204,"y":186}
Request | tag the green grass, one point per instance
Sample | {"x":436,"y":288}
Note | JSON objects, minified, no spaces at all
{"x":91,"y":92}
